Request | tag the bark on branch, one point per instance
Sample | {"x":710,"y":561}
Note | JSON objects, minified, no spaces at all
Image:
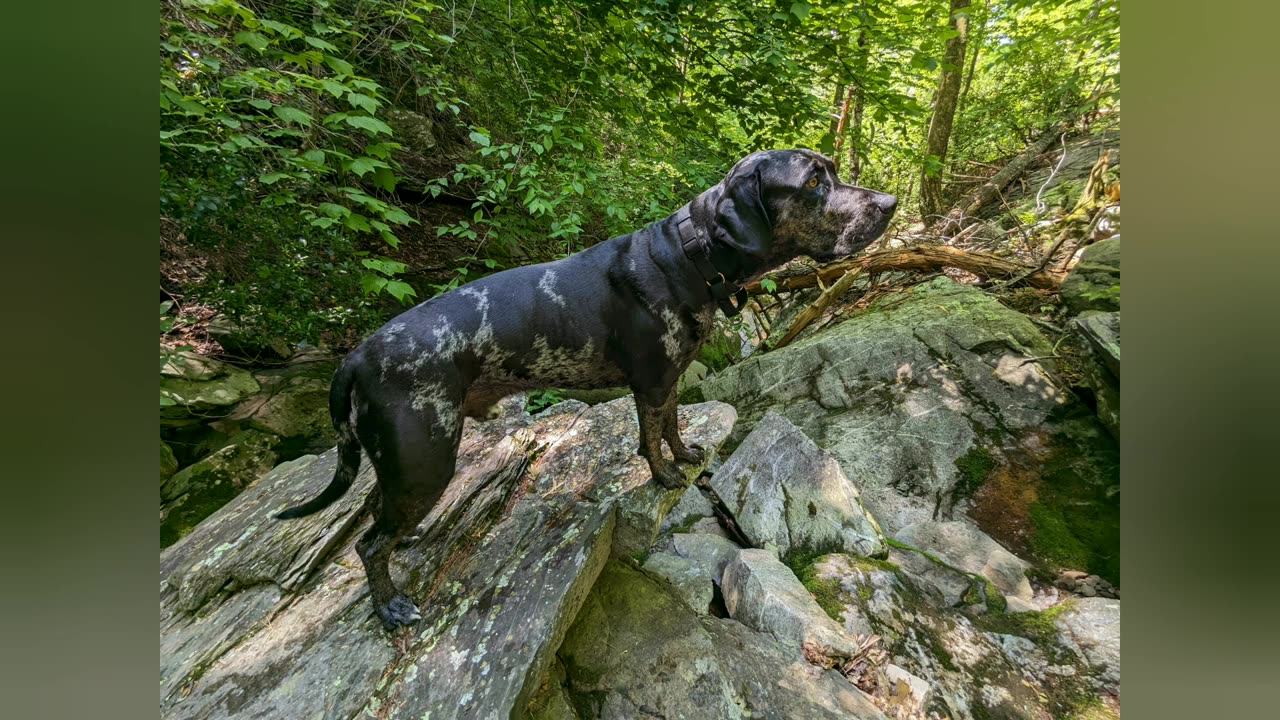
{"x":925,"y":258}
{"x":990,"y":189}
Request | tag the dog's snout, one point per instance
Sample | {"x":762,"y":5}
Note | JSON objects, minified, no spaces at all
{"x":887,"y":203}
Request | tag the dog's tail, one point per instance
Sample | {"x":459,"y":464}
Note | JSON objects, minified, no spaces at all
{"x":348,"y":447}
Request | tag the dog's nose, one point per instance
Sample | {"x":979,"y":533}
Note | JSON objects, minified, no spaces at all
{"x":886,"y":202}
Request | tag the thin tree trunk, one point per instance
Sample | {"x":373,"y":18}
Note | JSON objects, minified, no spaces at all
{"x":856,"y":150}
{"x":836,"y":103}
{"x":976,"y":38}
{"x":944,"y":110}
{"x":844,"y":116}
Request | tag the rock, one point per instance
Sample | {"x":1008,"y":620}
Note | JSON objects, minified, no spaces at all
{"x":964,"y":546}
{"x":293,"y":404}
{"x":635,"y":651}
{"x":1101,"y":335}
{"x":691,"y":507}
{"x":193,"y":388}
{"x":785,"y":493}
{"x":907,"y":690}
{"x":945,"y":585}
{"x":708,"y":526}
{"x":763,"y":594}
{"x":688,"y":582}
{"x":168,"y":463}
{"x":900,"y":392}
{"x":198,"y":490}
{"x":250,"y":346}
{"x":928,"y":402}
{"x":875,"y":596}
{"x":489,"y":633}
{"x":1091,"y":627}
{"x":693,"y":375}
{"x":1015,"y":604}
{"x":712,"y":553}
{"x":1094,"y":282}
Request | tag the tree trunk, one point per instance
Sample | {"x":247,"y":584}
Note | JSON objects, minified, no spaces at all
{"x":975,"y":41}
{"x":855,"y":130}
{"x":837,"y":102}
{"x":840,"y":128}
{"x":944,"y":110}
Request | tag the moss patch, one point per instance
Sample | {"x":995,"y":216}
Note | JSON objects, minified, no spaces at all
{"x":825,"y":591}
{"x":975,"y":467}
{"x":720,"y":351}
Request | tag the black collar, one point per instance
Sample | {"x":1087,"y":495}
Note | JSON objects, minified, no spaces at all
{"x":697,"y":248}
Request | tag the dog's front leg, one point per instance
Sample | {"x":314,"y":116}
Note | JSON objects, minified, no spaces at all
{"x":652,"y":409}
{"x":692,"y":455}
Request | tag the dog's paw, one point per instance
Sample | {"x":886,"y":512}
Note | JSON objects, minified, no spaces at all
{"x":399,"y":612}
{"x":692,"y":455}
{"x":669,"y":476}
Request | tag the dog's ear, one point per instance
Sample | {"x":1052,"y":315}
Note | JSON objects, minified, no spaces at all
{"x":742,"y":222}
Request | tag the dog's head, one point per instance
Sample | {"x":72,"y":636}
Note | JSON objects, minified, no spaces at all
{"x":779,"y":204}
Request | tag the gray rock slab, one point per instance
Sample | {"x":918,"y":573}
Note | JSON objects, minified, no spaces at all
{"x":963,"y":545}
{"x":784,"y":492}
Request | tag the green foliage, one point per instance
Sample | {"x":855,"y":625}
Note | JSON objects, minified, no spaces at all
{"x":540,"y":400}
{"x":720,"y":351}
{"x":301,"y":142}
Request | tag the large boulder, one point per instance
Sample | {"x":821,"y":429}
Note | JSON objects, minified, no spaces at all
{"x":763,"y":594}
{"x":266,"y":618}
{"x":197,"y":491}
{"x":963,"y":667}
{"x":961,"y":545}
{"x":194,"y":389}
{"x":635,"y":651}
{"x":1091,"y":626}
{"x":293,"y":404}
{"x":1094,"y":282}
{"x":785,"y":494}
{"x":938,"y":405}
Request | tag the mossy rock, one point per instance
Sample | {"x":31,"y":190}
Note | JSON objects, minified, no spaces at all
{"x":194,"y":389}
{"x":1094,"y":283}
{"x":168,"y":463}
{"x":196,"y":492}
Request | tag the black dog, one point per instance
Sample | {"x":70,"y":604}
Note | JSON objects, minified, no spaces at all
{"x":633,"y":310}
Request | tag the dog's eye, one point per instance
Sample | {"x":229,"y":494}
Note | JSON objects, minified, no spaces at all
{"x":813,"y":182}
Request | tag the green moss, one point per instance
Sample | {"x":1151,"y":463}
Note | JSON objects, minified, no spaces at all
{"x":825,"y":591}
{"x":720,"y":351}
{"x":1076,"y":518}
{"x":1037,"y":626}
{"x":975,"y":467}
{"x":938,"y":650}
{"x":687,"y":525}
{"x":183,"y":518}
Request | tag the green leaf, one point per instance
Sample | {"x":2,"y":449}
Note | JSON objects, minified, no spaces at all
{"x":481,"y":139}
{"x":292,"y":115}
{"x":372,"y":283}
{"x":400,"y":290}
{"x":314,"y":156}
{"x":362,"y":166}
{"x":271,"y":178}
{"x":338,"y":65}
{"x":257,"y":41}
{"x":325,"y":45}
{"x":364,"y":102}
{"x":165,"y":402}
{"x":769,"y":285}
{"x":365,"y":122}
{"x":333,"y":87}
{"x":800,"y":9}
{"x":333,"y":210}
{"x":261,"y":104}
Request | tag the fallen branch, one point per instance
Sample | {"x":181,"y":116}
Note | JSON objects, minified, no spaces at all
{"x":988,"y":190}
{"x":924,"y":258}
{"x":814,"y":311}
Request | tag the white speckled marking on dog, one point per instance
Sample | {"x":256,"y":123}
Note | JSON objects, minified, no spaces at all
{"x":548,"y":285}
{"x":671,"y":338}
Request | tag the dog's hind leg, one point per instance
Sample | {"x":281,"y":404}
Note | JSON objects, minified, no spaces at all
{"x":414,"y":468}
